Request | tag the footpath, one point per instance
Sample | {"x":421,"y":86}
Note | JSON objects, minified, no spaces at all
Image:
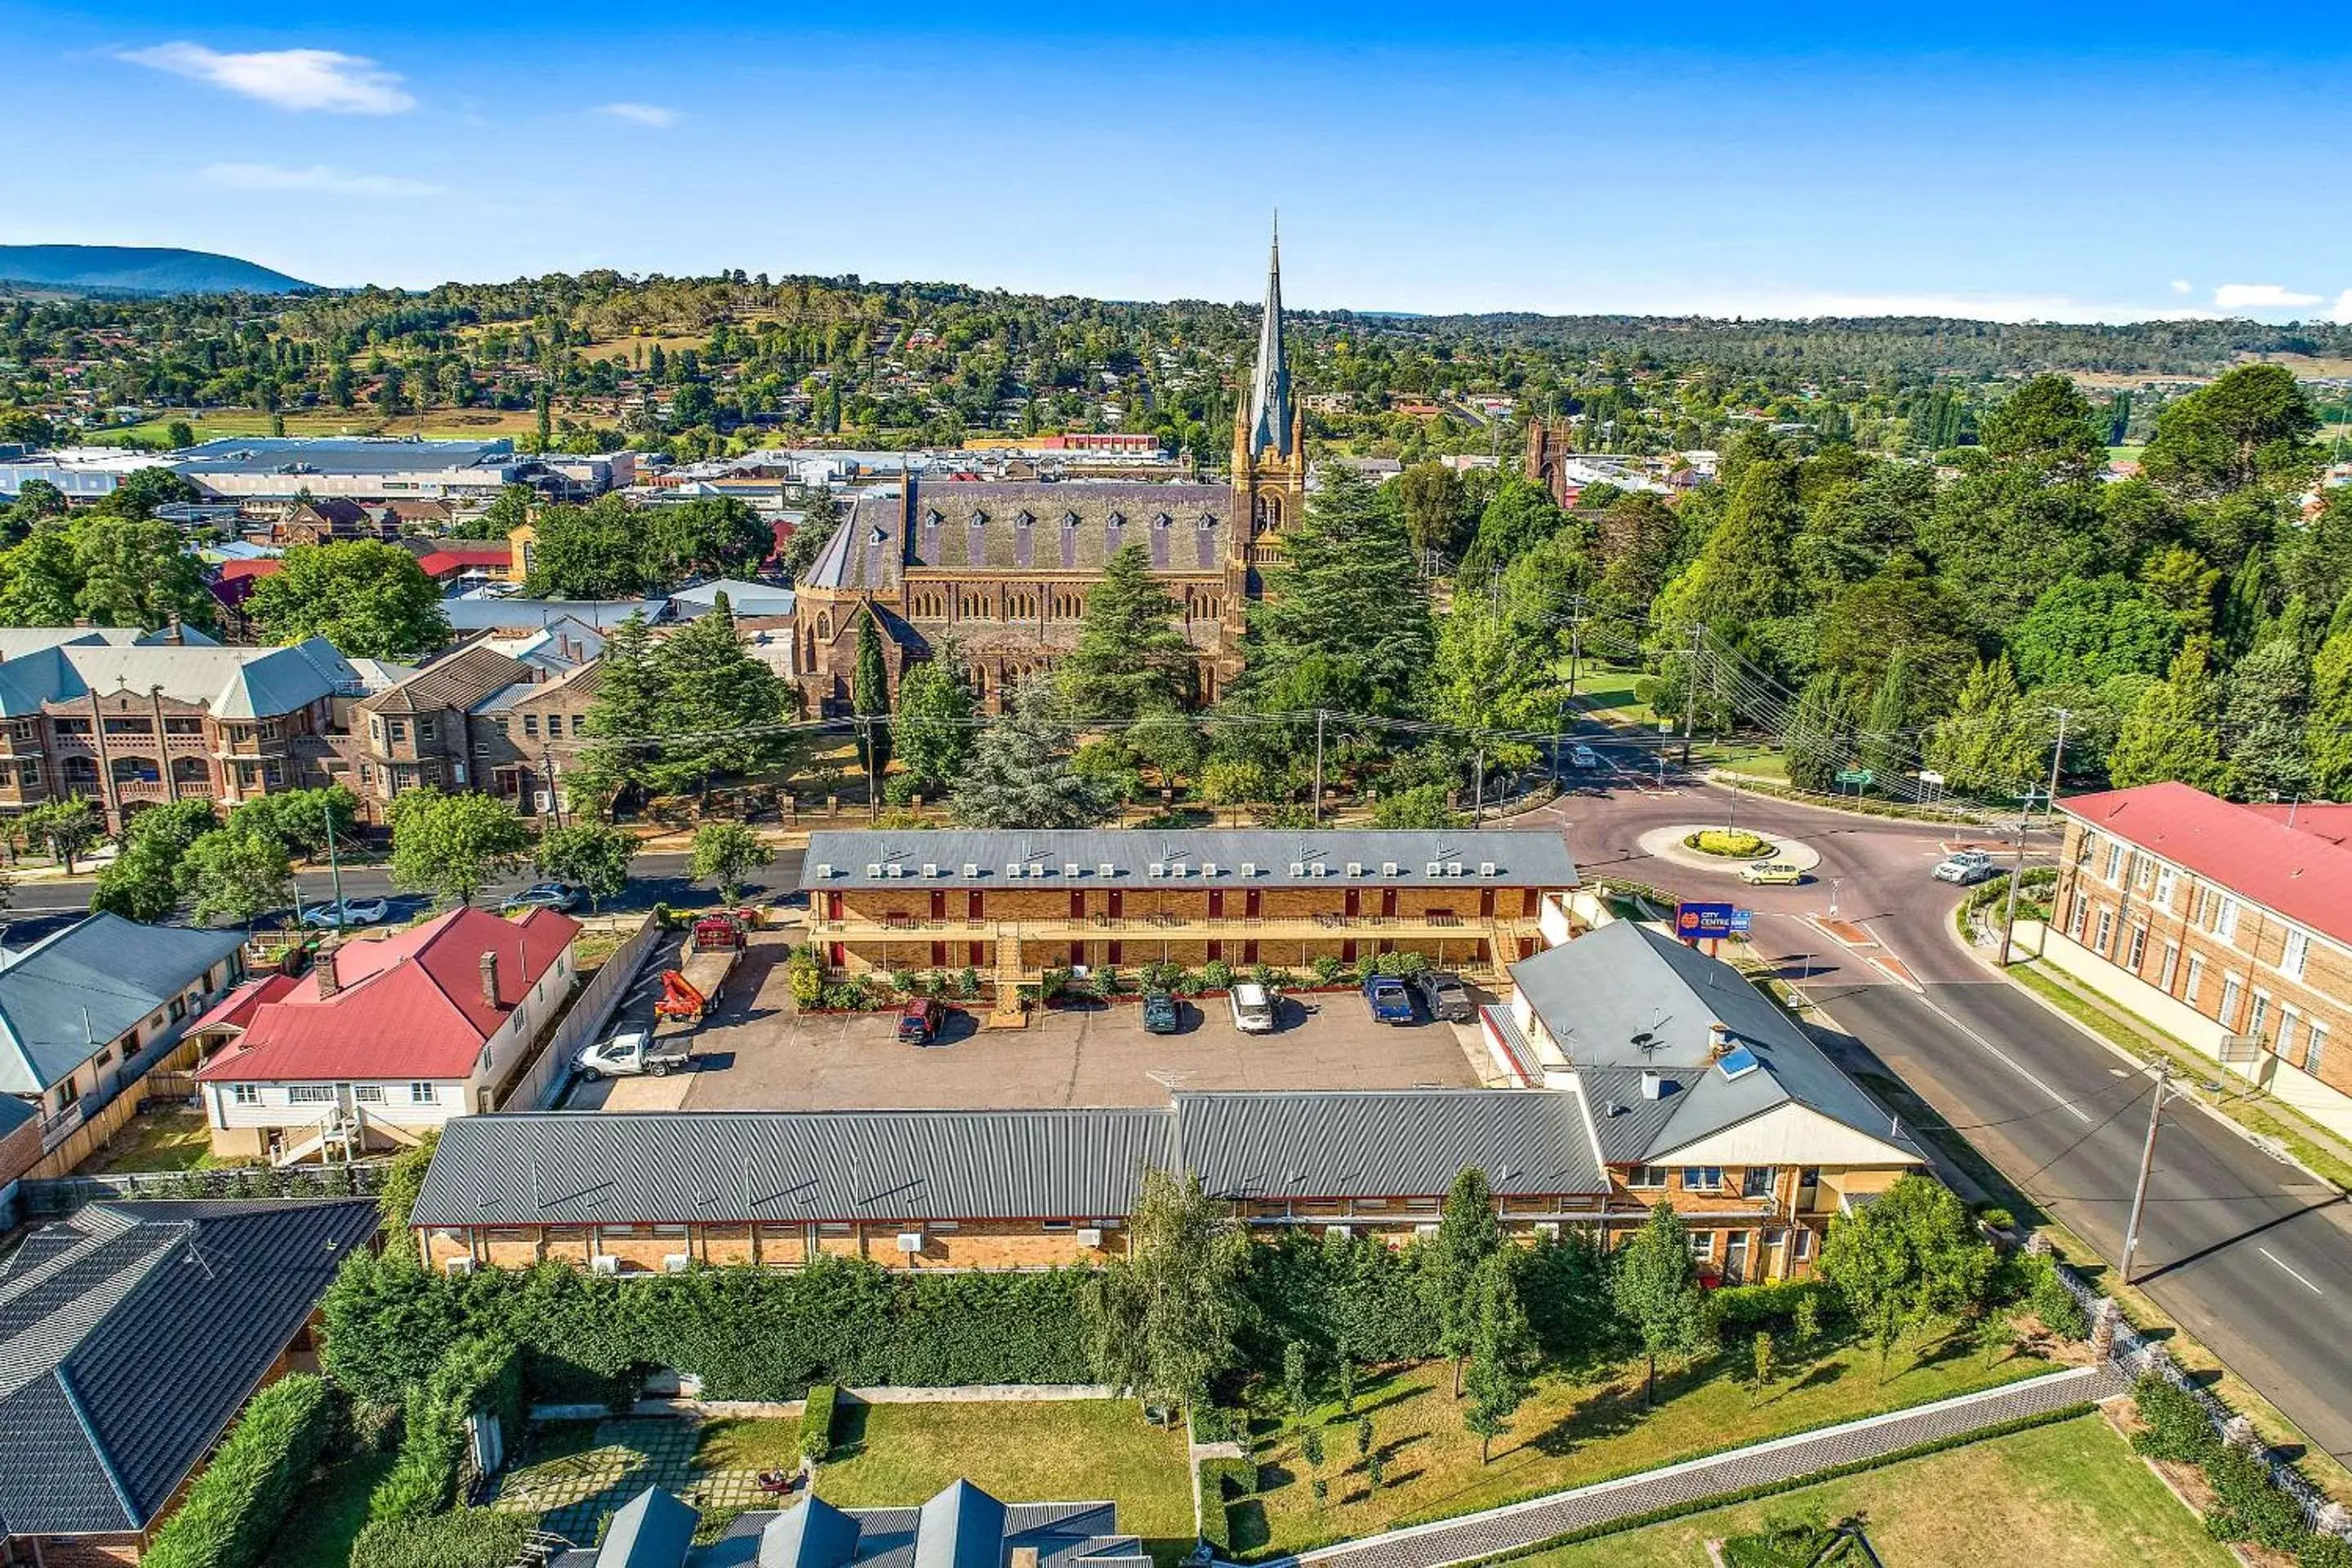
{"x":1521,"y":1525}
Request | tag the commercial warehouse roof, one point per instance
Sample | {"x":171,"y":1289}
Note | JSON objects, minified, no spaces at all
{"x":336,"y":455}
{"x":2303,"y":876}
{"x":1259,"y":857}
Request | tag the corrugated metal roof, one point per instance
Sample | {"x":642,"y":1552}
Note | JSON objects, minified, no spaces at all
{"x":1625,"y":998}
{"x":73,"y":992}
{"x":840,"y":859}
{"x":232,"y":682}
{"x":1385,"y":1144}
{"x":131,"y":1333}
{"x":652,"y":1529}
{"x":675,"y":1166}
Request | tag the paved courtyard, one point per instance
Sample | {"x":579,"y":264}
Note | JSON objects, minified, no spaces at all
{"x":573,"y":1492}
{"x":756,"y":1052}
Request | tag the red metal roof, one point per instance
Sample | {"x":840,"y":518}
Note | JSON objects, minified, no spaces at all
{"x":2327,"y":819}
{"x":2298,"y":872}
{"x":235,"y":1010}
{"x":450,"y":559}
{"x":410,"y":1007}
{"x":260,"y":566}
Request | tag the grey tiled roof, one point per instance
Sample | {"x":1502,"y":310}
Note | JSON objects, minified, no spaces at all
{"x":961,"y":1527}
{"x":1385,"y":1142}
{"x":71,"y":993}
{"x":1071,"y":526}
{"x":791,"y":1166}
{"x":1520,"y":859}
{"x":133,"y":1332}
{"x":1625,"y":998}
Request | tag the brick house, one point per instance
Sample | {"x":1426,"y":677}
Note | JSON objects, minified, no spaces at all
{"x":1012,"y":904}
{"x":1702,"y":1093}
{"x":2227,"y":926}
{"x":527,"y":737}
{"x":417,"y":733}
{"x":137,"y":1332}
{"x":384,"y":1038}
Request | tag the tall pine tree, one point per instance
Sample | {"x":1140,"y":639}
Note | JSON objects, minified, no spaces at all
{"x":931,"y":734}
{"x":2168,"y":734}
{"x":1131,"y":657}
{"x":1020,"y":773}
{"x":628,"y":706}
{"x":869,"y":699}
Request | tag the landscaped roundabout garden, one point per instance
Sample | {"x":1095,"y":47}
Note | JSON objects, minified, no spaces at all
{"x":1732,"y":843}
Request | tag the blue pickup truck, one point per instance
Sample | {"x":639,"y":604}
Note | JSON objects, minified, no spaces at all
{"x":1388,"y":999}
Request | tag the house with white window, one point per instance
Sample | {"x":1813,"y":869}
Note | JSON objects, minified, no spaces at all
{"x":384,"y":1038}
{"x":88,"y":1012}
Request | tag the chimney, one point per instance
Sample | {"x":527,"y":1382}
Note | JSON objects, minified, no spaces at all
{"x":1718,"y":1039}
{"x":490,"y":978}
{"x":328,"y":981}
{"x":1654,"y":1085}
{"x":172,"y":634}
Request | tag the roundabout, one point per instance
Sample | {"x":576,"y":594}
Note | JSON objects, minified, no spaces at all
{"x":1671,"y":844}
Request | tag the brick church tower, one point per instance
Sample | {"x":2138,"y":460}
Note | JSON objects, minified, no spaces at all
{"x":1269,"y":469}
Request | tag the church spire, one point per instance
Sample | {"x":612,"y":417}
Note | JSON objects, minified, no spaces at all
{"x":1269,"y":406}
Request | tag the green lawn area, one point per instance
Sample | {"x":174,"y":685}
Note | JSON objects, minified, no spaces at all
{"x":1059,"y":1450}
{"x":333,"y":1509}
{"x":1571,"y":1433}
{"x":1608,"y":695}
{"x":159,"y":1140}
{"x":2070,"y":1493}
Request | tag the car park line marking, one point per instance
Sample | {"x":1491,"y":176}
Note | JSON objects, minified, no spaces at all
{"x":2292,"y":1273}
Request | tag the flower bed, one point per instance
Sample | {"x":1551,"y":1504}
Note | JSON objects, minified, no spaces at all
{"x":1731,"y":844}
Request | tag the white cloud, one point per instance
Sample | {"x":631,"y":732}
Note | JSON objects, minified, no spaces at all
{"x":647,"y":114}
{"x":2182,"y":286}
{"x":288,"y":79}
{"x":1796,"y":304}
{"x":2342,"y":314}
{"x":318,"y":178}
{"x":2259,"y":296}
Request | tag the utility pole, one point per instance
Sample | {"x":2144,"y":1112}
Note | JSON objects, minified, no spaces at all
{"x":866,"y":755}
{"x":554,"y":793}
{"x":1690,"y":694}
{"x":1478,"y":791}
{"x":2146,"y":1165}
{"x":334,"y":870}
{"x":1575,"y":652}
{"x":1318,"y":768}
{"x":2058,"y":757}
{"x":2016,"y":877}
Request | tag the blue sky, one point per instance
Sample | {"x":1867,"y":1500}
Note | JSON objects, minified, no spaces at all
{"x":2008,"y":160}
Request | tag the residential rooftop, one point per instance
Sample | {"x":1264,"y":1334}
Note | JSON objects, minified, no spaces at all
{"x":1262,"y":858}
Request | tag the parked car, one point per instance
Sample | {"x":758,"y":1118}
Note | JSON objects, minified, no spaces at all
{"x":1447,"y":999}
{"x":1583,"y":757}
{"x":556,"y":896}
{"x":349,"y":912}
{"x":1161,"y":1013}
{"x":1253,"y":1007}
{"x":919,"y":1021}
{"x":1391,"y":1003}
{"x":1965,"y":866}
{"x":631,"y":1052}
{"x":1763,"y":873}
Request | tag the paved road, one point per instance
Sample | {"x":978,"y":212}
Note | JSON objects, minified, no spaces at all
{"x":2247,"y":1252}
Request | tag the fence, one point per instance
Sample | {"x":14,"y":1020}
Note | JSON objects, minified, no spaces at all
{"x":50,"y":1199}
{"x":542,"y":1083}
{"x":2139,"y":1355}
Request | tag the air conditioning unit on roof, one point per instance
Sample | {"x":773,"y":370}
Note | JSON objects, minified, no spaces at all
{"x":603,"y":1263}
{"x":1208,"y":867}
{"x":1105,"y":869}
{"x":1454,"y":868}
{"x":1014,"y":871}
{"x":1387,"y":868}
{"x":1158,"y":869}
{"x":930,"y":869}
{"x":1485,"y":867}
{"x":1355,"y":868}
{"x":1249,"y":869}
{"x":1070,"y":869}
{"x":873,"y":869}
{"x":1178,"y":870}
{"x":456,"y":1267}
{"x":674,"y":1262}
{"x":1437,"y":868}
{"x":894,"y":870}
{"x":1298,"y":868}
{"x":823,"y":871}
{"x":972,"y":871}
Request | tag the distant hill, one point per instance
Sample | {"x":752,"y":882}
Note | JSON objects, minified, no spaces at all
{"x":139,"y":270}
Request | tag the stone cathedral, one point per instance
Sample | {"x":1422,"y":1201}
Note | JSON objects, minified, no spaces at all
{"x":1004,"y":569}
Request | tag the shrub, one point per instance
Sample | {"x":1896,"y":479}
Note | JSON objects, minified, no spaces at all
{"x":817,"y":1422}
{"x":2176,"y":1424}
{"x":1736,"y":843}
{"x":1328,"y":970}
{"x":469,"y":1538}
{"x":1216,"y":1477}
{"x":967,"y":983}
{"x":1765,"y":1306}
{"x":807,"y":982}
{"x":2060,"y":1311}
{"x":235,"y":1507}
{"x":1217,"y":975}
{"x":2324,"y":1551}
{"x":479,"y":1373}
{"x":1169,"y":977}
{"x":2247,"y":1507}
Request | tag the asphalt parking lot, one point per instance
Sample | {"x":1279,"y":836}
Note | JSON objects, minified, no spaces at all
{"x":757,"y":1053}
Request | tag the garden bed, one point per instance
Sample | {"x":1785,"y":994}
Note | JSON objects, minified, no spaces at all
{"x":1730,"y":844}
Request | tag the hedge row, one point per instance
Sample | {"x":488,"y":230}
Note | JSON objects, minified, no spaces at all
{"x":479,"y":1373}
{"x":2246,"y":1506}
{"x":747,"y":1334}
{"x":236,"y":1504}
{"x":817,"y":1422}
{"x":1736,"y":1307}
{"x":469,"y":1538}
{"x":1216,"y":1476}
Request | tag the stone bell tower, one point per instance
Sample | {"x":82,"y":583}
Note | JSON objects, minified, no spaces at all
{"x":1269,"y":467}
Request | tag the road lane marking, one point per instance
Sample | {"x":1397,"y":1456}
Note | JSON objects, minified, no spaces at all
{"x":2019,"y":1068}
{"x":2297,"y":1278}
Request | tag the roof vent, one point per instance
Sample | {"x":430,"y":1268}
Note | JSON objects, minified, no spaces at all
{"x":1654,"y":1085}
{"x":1105,"y":869}
{"x":1738,"y":1063}
{"x":1719,"y":1037}
{"x":1070,"y":869}
{"x":1249,"y":869}
{"x":1612,"y":1107}
{"x":1485,"y":867}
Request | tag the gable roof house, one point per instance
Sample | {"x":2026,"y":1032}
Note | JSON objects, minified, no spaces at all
{"x":131,"y":1335}
{"x":385,"y":1037}
{"x":89,"y":1011}
{"x":414,"y":734}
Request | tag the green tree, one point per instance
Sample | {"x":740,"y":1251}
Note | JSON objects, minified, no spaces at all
{"x":2267,"y":713}
{"x":1229,"y":782}
{"x":1991,"y":744}
{"x":712,"y":536}
{"x":68,"y":828}
{"x":1165,"y":1316}
{"x":719,"y":707}
{"x":2331,"y":717}
{"x":596,"y":551}
{"x":141,"y":883}
{"x":821,"y":519}
{"x":1502,"y":1354}
{"x":454,"y":846}
{"x":1435,"y":510}
{"x":725,"y":854}
{"x":869,"y":699}
{"x":2250,"y":425}
{"x":1131,"y":656}
{"x":1742,"y":577}
{"x":2089,"y":630}
{"x":1421,"y":805}
{"x":509,"y":510}
{"x":1518,"y":518}
{"x":1656,"y":1292}
{"x":233,"y":875}
{"x":2049,"y":424}
{"x":1822,"y":737}
{"x":1020,"y":773}
{"x":931,"y":734}
{"x":1760,"y":1361}
{"x":1171,"y":742}
{"x":2169,"y":733}
{"x":133,"y":574}
{"x":1886,"y":750}
{"x":138,"y":493}
{"x":1907,"y":1259}
{"x":592,"y":856}
{"x":1469,"y":1234}
{"x":301,"y":819}
{"x":39,"y":579}
{"x":628,"y":706}
{"x":370,"y":599}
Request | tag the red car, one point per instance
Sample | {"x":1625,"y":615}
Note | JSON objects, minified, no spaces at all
{"x":919,"y":1021}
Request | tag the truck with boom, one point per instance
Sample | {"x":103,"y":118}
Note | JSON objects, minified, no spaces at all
{"x":690,"y":991}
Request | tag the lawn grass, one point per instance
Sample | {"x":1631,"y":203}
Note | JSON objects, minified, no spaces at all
{"x":2070,"y":1493}
{"x":334,"y":1508}
{"x":1571,"y":1433}
{"x":159,"y":1140}
{"x":1054,"y":1450}
{"x":1608,"y":695}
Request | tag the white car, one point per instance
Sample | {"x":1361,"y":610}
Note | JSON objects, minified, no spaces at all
{"x":1966,"y":867}
{"x":1253,"y":1007}
{"x":1583,"y":757}
{"x":349,"y":912}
